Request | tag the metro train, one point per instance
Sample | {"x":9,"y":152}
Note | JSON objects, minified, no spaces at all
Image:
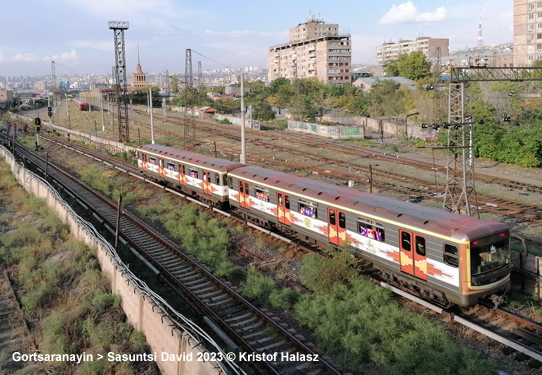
{"x":81,"y":105}
{"x":439,"y":256}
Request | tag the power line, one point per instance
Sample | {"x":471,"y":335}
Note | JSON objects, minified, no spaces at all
{"x":73,"y":71}
{"x":211,"y":59}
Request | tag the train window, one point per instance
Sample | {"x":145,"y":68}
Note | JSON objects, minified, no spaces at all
{"x":405,"y":241}
{"x":217,"y":179}
{"x":170,"y":166}
{"x":308,"y":208}
{"x":262,"y":193}
{"x":332,"y":217}
{"x":152,"y":160}
{"x":181,"y":169}
{"x":143,"y":156}
{"x":368,"y":228}
{"x":379,"y":232}
{"x":420,"y":245}
{"x":230,"y":182}
{"x":342,"y":220}
{"x":450,"y":255}
{"x":287,"y":202}
{"x":193,"y":172}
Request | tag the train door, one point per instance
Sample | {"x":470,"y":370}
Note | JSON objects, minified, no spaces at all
{"x":283,"y":208}
{"x":420,"y":257}
{"x":413,"y":254}
{"x":244,"y":199}
{"x":336,"y":226}
{"x":182,"y":174}
{"x":144,"y":161}
{"x":161,"y":170}
{"x":207,"y":189}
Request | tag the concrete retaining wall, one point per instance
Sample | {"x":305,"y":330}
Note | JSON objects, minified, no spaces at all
{"x":163,"y":335}
{"x":379,"y":125}
{"x":336,"y":132}
{"x":111,"y":146}
{"x":531,"y":264}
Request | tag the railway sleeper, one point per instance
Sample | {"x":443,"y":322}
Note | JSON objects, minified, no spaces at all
{"x":231,"y":308}
{"x":243,"y":322}
{"x":203,"y":287}
{"x":239,"y":317}
{"x":206,"y":292}
{"x":262,"y":333}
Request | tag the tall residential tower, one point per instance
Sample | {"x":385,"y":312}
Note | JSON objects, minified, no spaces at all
{"x":527,"y":32}
{"x":316,"y":49}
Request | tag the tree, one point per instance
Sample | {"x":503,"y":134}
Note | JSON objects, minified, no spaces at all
{"x":392,"y":68}
{"x":174,"y":84}
{"x":227,"y":107}
{"x":414,"y":66}
{"x":262,"y":111}
{"x":387,"y":98}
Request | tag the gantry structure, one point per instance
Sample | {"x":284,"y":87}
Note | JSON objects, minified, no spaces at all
{"x":460,"y":193}
{"x":119,"y":70}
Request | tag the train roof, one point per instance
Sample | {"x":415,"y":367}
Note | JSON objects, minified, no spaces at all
{"x":375,"y":207}
{"x":207,"y":162}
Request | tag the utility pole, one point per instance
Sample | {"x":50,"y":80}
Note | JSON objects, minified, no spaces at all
{"x":102,"y":106}
{"x":189,"y":122}
{"x":243,"y":143}
{"x":152,"y":118}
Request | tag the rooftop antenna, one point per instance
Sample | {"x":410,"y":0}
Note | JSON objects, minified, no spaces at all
{"x":480,"y":43}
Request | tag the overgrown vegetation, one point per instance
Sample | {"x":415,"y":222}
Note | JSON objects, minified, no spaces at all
{"x":198,"y":233}
{"x":364,"y":328}
{"x":263,"y":289}
{"x":62,"y":291}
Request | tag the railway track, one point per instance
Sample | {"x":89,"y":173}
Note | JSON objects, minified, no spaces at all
{"x":407,"y":185}
{"x":255,"y":330}
{"x":522,"y":337}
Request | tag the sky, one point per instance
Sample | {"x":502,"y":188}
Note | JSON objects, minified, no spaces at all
{"x":235,"y":34}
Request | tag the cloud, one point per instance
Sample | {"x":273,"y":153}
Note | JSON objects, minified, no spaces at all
{"x":1,"y":56}
{"x":65,"y":56}
{"x":24,"y":57}
{"x":409,"y":13}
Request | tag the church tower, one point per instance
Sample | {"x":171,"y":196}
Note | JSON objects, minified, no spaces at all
{"x":139,"y":79}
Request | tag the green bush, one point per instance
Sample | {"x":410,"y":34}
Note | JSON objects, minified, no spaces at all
{"x":257,"y":286}
{"x":361,"y":325}
{"x":103,"y":301}
{"x":283,"y":298}
{"x":320,"y":274}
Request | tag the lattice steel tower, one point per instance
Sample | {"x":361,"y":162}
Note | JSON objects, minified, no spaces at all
{"x":460,"y":195}
{"x":118,"y":28}
{"x":189,"y":121}
{"x":53,"y":84}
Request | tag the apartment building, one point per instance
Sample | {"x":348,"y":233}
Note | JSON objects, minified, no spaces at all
{"x":431,"y":47}
{"x":527,"y":32}
{"x":316,"y":49}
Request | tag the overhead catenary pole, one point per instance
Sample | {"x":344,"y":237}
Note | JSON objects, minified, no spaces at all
{"x":243,"y":143}
{"x":102,"y":106}
{"x":152,"y":118}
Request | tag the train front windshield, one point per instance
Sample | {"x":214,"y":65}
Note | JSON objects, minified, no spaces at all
{"x":486,"y":257}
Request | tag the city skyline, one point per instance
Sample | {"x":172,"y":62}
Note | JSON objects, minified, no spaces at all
{"x":75,"y":33}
